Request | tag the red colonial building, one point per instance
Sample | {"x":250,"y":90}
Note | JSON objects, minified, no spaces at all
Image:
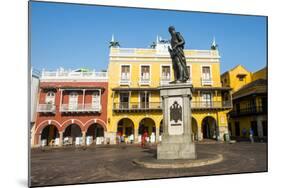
{"x":71,"y":108}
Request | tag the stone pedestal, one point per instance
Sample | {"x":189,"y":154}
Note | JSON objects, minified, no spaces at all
{"x":177,"y":136}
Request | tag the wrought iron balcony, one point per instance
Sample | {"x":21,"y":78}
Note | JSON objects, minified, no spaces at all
{"x":254,"y":110}
{"x":46,"y":108}
{"x":80,"y":108}
{"x":137,"y":106}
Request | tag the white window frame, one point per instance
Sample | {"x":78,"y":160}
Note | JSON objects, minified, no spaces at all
{"x":70,"y":105}
{"x":121,"y":82}
{"x":141,"y":82}
{"x":204,"y":82}
{"x":161,"y":69}
{"x":190,"y":73}
{"x":148,"y":94}
{"x":129,"y":97}
{"x":99,"y":94}
{"x":50,"y":98}
{"x":211,"y":99}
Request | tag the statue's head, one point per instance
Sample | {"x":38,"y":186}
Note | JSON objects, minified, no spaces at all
{"x":172,"y":29}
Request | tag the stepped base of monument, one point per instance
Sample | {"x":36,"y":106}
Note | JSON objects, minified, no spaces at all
{"x":176,"y":147}
{"x":203,"y":159}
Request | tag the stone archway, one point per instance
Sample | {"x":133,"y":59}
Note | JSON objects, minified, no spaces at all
{"x":148,"y":125}
{"x":125,"y":130}
{"x":194,"y":129}
{"x":50,"y":136}
{"x":72,"y":135}
{"x":209,"y":128}
{"x":95,"y":134}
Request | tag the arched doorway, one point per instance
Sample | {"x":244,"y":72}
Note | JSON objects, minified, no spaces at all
{"x":72,"y":135}
{"x":50,"y":136}
{"x":209,"y":128}
{"x":148,"y":125}
{"x":194,"y":129}
{"x":95,"y":134}
{"x":125,"y":131}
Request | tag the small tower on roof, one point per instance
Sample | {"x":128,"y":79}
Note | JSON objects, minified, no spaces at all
{"x":113,"y":43}
{"x":214,"y":45}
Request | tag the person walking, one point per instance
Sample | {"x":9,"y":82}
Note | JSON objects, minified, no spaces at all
{"x":143,"y":138}
{"x":252,"y":135}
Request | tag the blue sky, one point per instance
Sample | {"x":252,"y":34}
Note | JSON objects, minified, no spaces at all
{"x":75,"y":36}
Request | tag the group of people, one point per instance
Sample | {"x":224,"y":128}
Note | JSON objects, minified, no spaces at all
{"x":121,"y":138}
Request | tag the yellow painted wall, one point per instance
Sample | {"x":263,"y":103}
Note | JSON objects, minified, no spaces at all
{"x":260,"y":74}
{"x":230,"y":79}
{"x":114,"y":74}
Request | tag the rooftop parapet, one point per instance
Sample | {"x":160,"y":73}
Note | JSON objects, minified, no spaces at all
{"x":65,"y":75}
{"x":150,"y":52}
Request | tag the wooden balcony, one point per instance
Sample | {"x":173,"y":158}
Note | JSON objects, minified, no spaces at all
{"x":137,"y":106}
{"x":254,"y":110}
{"x":46,"y":108}
{"x":80,"y":108}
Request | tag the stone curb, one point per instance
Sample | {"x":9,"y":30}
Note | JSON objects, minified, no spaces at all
{"x":180,"y":164}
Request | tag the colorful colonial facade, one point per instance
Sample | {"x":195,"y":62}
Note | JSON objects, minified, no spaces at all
{"x":249,"y":102}
{"x":72,"y":108}
{"x":134,"y":103}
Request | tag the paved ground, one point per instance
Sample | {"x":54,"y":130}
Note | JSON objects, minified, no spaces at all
{"x":114,"y":163}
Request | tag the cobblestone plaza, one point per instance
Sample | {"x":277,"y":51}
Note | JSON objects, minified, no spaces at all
{"x":114,"y":163}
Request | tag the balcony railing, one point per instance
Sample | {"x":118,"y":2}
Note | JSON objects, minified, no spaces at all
{"x":210,"y":104}
{"x":249,"y":111}
{"x":125,"y":79}
{"x":133,"y":106}
{"x":80,"y":108}
{"x":137,"y":106}
{"x":64,"y":74}
{"x":51,"y":108}
{"x":206,"y":81}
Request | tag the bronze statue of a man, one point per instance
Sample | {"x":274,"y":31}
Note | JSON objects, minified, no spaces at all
{"x":181,"y":73}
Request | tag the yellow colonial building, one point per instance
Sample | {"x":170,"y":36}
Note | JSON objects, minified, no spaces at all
{"x":134,"y":104}
{"x":249,"y":102}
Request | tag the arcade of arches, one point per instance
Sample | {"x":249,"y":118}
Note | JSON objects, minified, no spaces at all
{"x":127,"y":131}
{"x":72,"y":134}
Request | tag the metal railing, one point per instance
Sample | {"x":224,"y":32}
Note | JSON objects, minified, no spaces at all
{"x":46,"y":108}
{"x":137,"y":106}
{"x":158,"y":105}
{"x":249,"y":111}
{"x":80,"y":108}
{"x":210,"y":104}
